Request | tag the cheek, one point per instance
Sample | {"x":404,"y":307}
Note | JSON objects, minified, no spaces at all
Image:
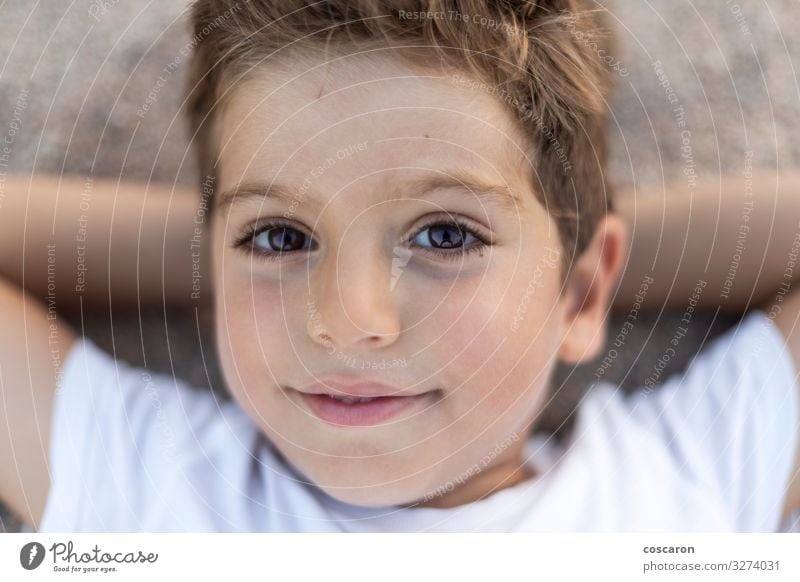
{"x":500,"y":346}
{"x":252,"y":335}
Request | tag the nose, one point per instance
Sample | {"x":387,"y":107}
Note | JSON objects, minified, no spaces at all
{"x":353,"y":304}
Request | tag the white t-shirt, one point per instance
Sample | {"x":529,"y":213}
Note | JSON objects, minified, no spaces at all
{"x":711,"y":450}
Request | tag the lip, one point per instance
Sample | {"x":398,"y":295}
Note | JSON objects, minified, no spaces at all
{"x":327,"y":402}
{"x":357,"y":389}
{"x":377,"y":411}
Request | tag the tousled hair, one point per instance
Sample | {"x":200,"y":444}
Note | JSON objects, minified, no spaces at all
{"x":541,"y":58}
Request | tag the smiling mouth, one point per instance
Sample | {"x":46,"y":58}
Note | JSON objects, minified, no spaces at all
{"x":344,"y":410}
{"x":354,"y":399}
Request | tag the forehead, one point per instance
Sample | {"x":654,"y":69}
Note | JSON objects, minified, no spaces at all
{"x":364,"y":118}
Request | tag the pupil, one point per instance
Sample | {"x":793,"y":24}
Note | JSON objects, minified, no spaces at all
{"x":282,"y":239}
{"x":440,"y":235}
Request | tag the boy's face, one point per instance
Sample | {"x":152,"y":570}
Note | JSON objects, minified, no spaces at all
{"x":364,"y":159}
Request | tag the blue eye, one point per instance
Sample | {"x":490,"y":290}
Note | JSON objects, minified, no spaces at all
{"x":272,"y":240}
{"x":449,"y":239}
{"x":444,"y":236}
{"x":280,"y":239}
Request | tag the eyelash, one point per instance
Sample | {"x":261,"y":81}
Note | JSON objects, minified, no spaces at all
{"x":245,"y":241}
{"x":464,"y":226}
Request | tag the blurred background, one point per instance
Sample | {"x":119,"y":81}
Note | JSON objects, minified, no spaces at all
{"x":103,"y":81}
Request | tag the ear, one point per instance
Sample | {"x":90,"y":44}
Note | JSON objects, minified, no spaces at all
{"x":587,"y":297}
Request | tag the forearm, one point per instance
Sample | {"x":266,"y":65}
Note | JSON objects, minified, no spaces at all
{"x":73,"y":238}
{"x":733,"y":243}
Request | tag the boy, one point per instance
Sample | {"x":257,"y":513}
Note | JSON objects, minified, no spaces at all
{"x":409,"y":227}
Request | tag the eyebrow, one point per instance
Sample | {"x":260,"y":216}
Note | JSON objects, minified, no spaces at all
{"x":490,"y":193}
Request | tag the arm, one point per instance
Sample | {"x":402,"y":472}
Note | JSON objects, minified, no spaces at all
{"x":788,"y":321}
{"x":741,"y":238}
{"x":85,"y":237}
{"x":33,"y":345}
{"x":733,"y":236}
{"x":68,"y":241}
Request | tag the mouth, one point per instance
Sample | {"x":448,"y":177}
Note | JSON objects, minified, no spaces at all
{"x":348,"y":410}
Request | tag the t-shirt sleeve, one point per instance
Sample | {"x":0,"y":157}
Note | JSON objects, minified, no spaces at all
{"x":731,"y":420}
{"x":119,"y":436}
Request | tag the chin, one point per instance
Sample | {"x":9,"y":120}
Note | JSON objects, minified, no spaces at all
{"x":381,"y":481}
{"x":370,"y":489}
{"x":370,"y":496}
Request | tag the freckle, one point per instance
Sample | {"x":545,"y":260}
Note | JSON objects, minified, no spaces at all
{"x":426,"y":136}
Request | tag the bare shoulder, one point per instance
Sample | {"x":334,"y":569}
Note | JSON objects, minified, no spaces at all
{"x":788,"y":322}
{"x":33,"y":346}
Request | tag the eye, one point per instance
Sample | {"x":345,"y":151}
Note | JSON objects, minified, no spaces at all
{"x":273,"y":240}
{"x":279,"y":239}
{"x":450,"y":238}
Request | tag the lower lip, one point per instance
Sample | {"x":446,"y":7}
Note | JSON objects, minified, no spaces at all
{"x":376,"y":411}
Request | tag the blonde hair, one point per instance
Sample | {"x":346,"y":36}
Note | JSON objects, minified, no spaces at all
{"x":541,"y":58}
